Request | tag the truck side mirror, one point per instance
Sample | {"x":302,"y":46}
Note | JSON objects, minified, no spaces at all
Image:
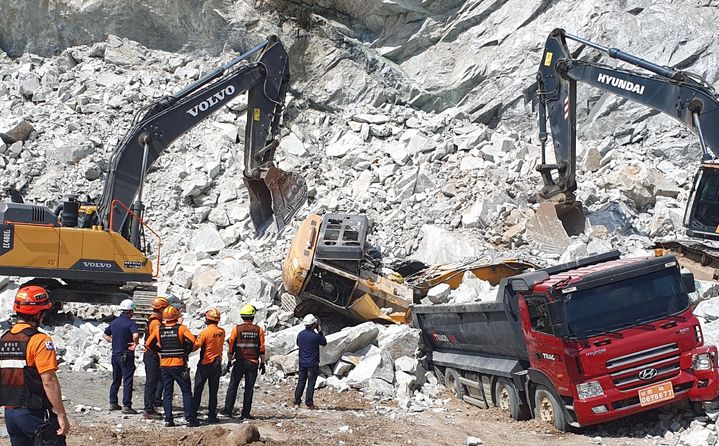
{"x":689,"y":284}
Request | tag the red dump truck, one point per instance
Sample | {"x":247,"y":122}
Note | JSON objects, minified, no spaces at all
{"x":576,"y":344}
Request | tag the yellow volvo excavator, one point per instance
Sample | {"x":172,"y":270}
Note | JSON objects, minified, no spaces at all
{"x":330,"y":271}
{"x":101,"y":253}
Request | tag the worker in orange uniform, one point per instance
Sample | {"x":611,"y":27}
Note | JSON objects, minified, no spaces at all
{"x":153,"y":387}
{"x":29,"y":388}
{"x":247,"y":348}
{"x":173,"y":341}
{"x":209,"y":369}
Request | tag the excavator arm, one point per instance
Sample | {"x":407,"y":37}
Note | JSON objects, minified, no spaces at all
{"x":679,"y":94}
{"x":274,"y":194}
{"x":675,"y":93}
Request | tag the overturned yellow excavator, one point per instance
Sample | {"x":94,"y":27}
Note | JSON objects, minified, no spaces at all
{"x":329,"y":271}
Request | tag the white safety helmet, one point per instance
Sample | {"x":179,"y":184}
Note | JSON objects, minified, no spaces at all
{"x":309,"y":320}
{"x":127,"y":305}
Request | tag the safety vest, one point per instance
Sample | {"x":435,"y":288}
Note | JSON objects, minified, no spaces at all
{"x":20,"y":384}
{"x":170,"y":345}
{"x":153,"y":317}
{"x":247,"y":344}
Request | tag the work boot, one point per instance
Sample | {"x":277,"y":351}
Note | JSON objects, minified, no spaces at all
{"x":247,"y":417}
{"x":296,"y":404}
{"x":169,"y":424}
{"x":151,"y":416}
{"x":127,"y":410}
{"x":212,"y":420}
{"x":193,"y":423}
{"x":312,"y":407}
{"x":115,"y":406}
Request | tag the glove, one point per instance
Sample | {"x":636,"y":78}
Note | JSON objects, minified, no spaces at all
{"x":227,"y":369}
{"x":186,"y":373}
{"x":262,"y":368}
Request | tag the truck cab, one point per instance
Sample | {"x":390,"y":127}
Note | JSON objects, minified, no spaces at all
{"x":616,"y":338}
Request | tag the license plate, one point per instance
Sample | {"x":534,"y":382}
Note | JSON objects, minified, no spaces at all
{"x":656,"y":394}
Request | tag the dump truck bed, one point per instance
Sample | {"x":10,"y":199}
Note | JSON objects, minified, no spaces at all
{"x":485,"y":328}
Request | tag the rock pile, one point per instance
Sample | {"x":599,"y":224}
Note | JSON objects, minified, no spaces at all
{"x":377,"y":360}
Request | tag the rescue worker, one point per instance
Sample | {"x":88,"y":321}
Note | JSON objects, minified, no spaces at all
{"x":173,"y":341}
{"x":209,"y":368}
{"x":153,"y":387}
{"x":309,"y":341}
{"x":247,"y":348}
{"x":124,"y":336}
{"x":29,"y":388}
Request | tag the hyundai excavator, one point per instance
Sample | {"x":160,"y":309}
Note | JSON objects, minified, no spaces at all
{"x":99,"y":253}
{"x":682,"y":95}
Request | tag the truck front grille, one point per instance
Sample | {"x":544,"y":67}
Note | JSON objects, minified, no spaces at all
{"x":662,"y":362}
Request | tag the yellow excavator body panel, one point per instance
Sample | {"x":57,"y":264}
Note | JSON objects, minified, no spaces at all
{"x":29,"y":250}
{"x":298,"y":261}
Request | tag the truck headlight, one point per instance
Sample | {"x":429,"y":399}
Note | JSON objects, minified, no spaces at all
{"x":702,"y":361}
{"x":589,"y":390}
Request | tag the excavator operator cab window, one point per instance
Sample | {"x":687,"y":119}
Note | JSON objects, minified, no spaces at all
{"x":706,"y":205}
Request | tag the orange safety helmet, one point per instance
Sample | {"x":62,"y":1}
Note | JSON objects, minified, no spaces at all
{"x":160,"y":303}
{"x":170,"y":314}
{"x":31,"y":299}
{"x":212,"y":315}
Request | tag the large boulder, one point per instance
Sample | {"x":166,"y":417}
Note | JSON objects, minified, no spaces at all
{"x":399,"y":340}
{"x":207,"y":239}
{"x":438,"y":245}
{"x":484,"y":210}
{"x":350,"y":339}
{"x":374,"y":375}
{"x":545,"y":230}
{"x":13,"y":129}
{"x":282,"y":342}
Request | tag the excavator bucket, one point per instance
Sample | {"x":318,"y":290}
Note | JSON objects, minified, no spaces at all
{"x":275,"y":199}
{"x":572,"y":217}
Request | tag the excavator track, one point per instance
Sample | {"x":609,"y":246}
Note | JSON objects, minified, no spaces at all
{"x":705,"y":253}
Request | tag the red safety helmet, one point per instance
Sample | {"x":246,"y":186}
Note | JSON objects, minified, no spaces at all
{"x":31,"y":299}
{"x":212,"y":315}
{"x":160,"y":303}
{"x":170,"y":314}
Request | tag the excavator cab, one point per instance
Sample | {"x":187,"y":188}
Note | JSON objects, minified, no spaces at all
{"x":701,"y":217}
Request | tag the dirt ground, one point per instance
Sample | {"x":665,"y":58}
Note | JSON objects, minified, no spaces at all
{"x":343,"y":419}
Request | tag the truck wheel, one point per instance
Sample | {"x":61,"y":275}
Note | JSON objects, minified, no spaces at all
{"x":507,"y":399}
{"x":451,"y":381}
{"x":547,"y":409}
